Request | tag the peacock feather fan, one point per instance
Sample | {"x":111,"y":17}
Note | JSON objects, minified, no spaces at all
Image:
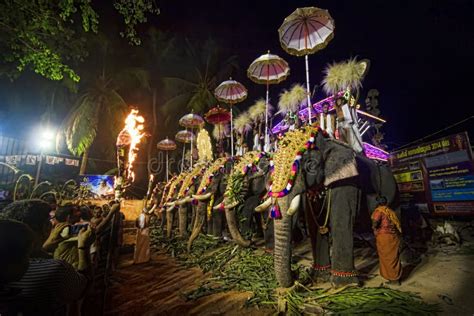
{"x":344,"y":75}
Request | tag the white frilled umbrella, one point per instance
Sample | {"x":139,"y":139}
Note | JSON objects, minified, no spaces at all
{"x":306,"y":31}
{"x":185,"y":137}
{"x":231,"y":92}
{"x":268,"y":69}
{"x":166,"y":145}
{"x":191,"y":121}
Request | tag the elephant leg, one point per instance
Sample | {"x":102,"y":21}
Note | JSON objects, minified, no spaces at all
{"x":169,"y":222}
{"x":319,"y":243}
{"x":258,"y":224}
{"x":344,"y":205}
{"x":217,"y":223}
{"x":248,"y":211}
{"x":163,"y":218}
{"x":268,"y":233}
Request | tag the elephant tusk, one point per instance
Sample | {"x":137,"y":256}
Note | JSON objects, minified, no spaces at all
{"x":231,"y":205}
{"x":262,"y":207}
{"x":169,"y":209}
{"x":219,"y":206}
{"x":294,"y":205}
{"x":202,"y":197}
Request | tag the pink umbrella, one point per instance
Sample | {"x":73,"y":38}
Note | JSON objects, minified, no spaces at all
{"x":185,"y":137}
{"x":191,"y":121}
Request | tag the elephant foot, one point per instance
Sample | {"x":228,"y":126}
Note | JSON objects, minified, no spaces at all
{"x":320,"y":274}
{"x":341,"y":278}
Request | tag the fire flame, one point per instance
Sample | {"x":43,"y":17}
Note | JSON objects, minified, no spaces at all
{"x":134,"y":127}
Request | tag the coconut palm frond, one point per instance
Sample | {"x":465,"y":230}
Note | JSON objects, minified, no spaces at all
{"x":242,"y":123}
{"x":257,"y":110}
{"x":82,"y":127}
{"x":344,"y":75}
{"x":220,"y":131}
{"x":298,"y":95}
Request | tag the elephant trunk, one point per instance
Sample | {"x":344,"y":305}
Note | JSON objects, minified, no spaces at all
{"x":234,"y":229}
{"x":182,"y":220}
{"x":169,"y":220}
{"x":198,"y":223}
{"x":282,"y":251}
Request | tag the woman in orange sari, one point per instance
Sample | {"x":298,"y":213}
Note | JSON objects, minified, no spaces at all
{"x":387,"y":232}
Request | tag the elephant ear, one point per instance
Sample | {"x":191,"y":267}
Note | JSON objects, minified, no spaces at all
{"x":339,"y":162}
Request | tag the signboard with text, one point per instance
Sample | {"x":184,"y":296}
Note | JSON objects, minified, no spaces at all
{"x":438,"y":175}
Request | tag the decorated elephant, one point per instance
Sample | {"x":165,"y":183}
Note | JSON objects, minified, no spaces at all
{"x":186,"y":189}
{"x":169,"y":205}
{"x":245,"y":188}
{"x":210,"y":190}
{"x":306,"y":159}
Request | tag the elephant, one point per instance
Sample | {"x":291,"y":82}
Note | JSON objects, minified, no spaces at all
{"x":210,"y":189}
{"x":187,"y":188}
{"x":169,"y":205}
{"x":245,"y":187}
{"x":316,"y":161}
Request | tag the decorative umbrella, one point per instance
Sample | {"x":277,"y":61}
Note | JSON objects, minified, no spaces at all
{"x":306,"y":31}
{"x":231,"y":92}
{"x":166,"y":145}
{"x":191,"y":121}
{"x":218,"y":116}
{"x":184,"y":137}
{"x":268,"y":69}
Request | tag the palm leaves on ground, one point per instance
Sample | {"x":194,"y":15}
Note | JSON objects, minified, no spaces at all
{"x":198,"y":74}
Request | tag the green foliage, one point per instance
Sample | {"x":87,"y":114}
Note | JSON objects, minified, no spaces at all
{"x":43,"y":35}
{"x":356,"y":300}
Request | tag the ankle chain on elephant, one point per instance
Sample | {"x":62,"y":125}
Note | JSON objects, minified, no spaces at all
{"x":344,"y":274}
{"x":318,"y":267}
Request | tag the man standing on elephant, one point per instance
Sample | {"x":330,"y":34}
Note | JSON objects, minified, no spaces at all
{"x":387,"y":230}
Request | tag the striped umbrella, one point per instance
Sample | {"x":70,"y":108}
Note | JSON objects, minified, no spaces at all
{"x":166,"y":145}
{"x":191,"y":121}
{"x":306,"y":31}
{"x":231,"y":92}
{"x":268,"y":69}
{"x":184,"y":137}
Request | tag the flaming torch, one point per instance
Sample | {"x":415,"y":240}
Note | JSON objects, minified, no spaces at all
{"x":127,"y":148}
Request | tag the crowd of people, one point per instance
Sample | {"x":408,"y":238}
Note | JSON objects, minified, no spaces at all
{"x":55,"y":257}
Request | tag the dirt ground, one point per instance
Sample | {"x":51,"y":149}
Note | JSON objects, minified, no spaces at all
{"x":443,"y":277}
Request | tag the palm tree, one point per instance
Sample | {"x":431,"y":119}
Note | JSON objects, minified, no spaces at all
{"x":99,"y":107}
{"x":198,"y":74}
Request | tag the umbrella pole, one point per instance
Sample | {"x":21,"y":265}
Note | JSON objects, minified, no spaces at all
{"x":191,"y":164}
{"x":265,"y":147}
{"x":307,"y":88}
{"x":231,"y":133}
{"x":167,"y":167}
{"x":182,"y":160}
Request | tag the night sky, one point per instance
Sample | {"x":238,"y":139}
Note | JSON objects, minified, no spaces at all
{"x":421,"y":52}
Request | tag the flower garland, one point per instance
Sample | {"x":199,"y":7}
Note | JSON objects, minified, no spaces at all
{"x":165,"y":190}
{"x":189,"y":181}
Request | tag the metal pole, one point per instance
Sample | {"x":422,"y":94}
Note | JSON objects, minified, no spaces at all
{"x":38,"y":170}
{"x":182,"y":160}
{"x":192,"y":136}
{"x":266,"y":146}
{"x":167,"y":167}
{"x":231,"y":133}
{"x":307,"y":88}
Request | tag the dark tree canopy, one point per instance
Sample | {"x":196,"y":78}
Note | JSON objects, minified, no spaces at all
{"x":48,"y":36}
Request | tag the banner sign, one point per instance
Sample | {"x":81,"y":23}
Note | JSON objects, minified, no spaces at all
{"x":31,"y":159}
{"x":438,"y":175}
{"x":99,"y":186}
